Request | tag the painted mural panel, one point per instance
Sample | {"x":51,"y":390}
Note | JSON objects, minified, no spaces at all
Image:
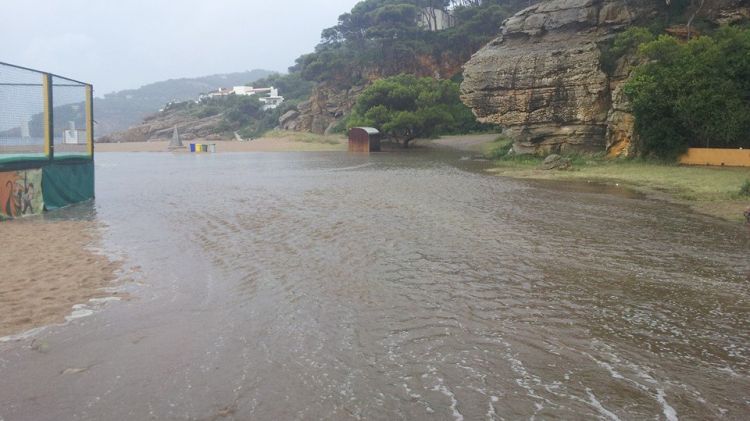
{"x":21,"y":193}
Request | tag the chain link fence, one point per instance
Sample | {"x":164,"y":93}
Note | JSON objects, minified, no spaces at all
{"x":43,"y":116}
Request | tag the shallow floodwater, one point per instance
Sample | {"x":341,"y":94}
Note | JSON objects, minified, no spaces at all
{"x":392,"y":286}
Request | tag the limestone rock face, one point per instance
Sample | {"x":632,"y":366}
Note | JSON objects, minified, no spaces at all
{"x":725,"y":12}
{"x":326,"y":107}
{"x":542,"y":78}
{"x":620,"y":135}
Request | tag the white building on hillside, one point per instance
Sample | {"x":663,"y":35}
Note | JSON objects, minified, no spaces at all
{"x":433,"y":19}
{"x":220,"y":92}
{"x":71,"y":136}
{"x":25,"y":132}
{"x":270,"y":101}
{"x":244,"y":90}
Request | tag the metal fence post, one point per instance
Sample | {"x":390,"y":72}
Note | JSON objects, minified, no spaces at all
{"x":49,"y":126}
{"x":90,"y":120}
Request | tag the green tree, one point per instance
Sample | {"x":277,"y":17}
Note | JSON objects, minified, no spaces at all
{"x":406,"y":107}
{"x":693,"y":94}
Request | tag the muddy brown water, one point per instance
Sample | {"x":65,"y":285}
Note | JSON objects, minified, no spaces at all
{"x":391,"y":286}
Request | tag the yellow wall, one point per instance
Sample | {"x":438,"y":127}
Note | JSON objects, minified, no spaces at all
{"x":711,"y":156}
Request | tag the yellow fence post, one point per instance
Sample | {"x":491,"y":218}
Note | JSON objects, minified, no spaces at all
{"x":49,"y":130}
{"x":90,"y":119}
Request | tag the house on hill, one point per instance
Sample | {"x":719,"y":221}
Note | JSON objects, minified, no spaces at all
{"x":433,"y":19}
{"x":270,"y":101}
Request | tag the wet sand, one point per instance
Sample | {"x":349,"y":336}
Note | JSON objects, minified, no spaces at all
{"x":48,"y":268}
{"x":265,"y":144}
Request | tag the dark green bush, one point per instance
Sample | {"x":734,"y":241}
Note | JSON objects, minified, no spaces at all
{"x":626,"y":42}
{"x":694,"y":94}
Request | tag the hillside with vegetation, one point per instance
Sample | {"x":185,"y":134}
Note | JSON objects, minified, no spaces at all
{"x":377,"y":39}
{"x":120,"y":110}
{"x":384,"y":38}
{"x":381,"y":38}
{"x":222,"y":117}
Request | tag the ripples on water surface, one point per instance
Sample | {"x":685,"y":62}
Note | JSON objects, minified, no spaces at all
{"x":327,"y":286}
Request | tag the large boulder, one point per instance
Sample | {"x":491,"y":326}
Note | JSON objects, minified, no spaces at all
{"x":542,"y":78}
{"x":556,"y":162}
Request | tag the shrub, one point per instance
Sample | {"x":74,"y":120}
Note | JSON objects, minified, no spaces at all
{"x":692,"y":94}
{"x":626,"y":42}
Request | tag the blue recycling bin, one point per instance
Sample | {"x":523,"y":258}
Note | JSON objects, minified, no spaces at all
{"x":192,"y":147}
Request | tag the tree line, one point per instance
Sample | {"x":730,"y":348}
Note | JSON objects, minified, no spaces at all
{"x":381,"y":38}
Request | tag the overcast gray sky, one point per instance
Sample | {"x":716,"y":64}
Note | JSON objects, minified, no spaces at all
{"x":122,"y":44}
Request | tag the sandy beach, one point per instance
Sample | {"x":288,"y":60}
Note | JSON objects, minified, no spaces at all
{"x":294,"y":142}
{"x":49,"y":268}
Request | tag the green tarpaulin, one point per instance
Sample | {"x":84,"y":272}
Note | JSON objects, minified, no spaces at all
{"x":65,"y":183}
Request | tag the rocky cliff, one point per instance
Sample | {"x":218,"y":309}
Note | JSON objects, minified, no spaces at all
{"x":542,"y":79}
{"x":326,"y":107}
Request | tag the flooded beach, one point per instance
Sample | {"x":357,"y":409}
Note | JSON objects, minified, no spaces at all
{"x":328,"y":285}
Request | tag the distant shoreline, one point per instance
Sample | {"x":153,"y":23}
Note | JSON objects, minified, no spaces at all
{"x":667,"y":182}
{"x":283,"y":142}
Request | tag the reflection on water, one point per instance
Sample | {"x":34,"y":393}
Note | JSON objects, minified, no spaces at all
{"x":327,"y":286}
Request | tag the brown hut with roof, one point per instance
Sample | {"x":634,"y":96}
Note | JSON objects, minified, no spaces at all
{"x":364,"y":139}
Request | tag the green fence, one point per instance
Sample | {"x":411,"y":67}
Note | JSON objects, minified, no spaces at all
{"x":43,"y":118}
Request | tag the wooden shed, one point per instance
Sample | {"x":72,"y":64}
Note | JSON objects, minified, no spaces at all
{"x":364,"y":139}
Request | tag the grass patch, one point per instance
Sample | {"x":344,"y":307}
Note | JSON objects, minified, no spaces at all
{"x":498,"y":148}
{"x":718,"y":191}
{"x":745,"y":189}
{"x":688,"y":182}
